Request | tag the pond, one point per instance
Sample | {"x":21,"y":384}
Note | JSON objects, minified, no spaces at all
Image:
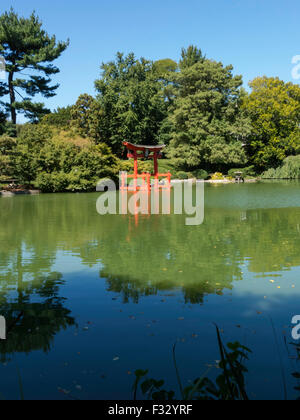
{"x":102,"y":296}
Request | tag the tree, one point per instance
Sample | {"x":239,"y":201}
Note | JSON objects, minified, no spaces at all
{"x":7,"y":150}
{"x":274,"y":109}
{"x":2,"y":122}
{"x":190,"y":56}
{"x":26,"y":46}
{"x":132,"y":100}
{"x":208,"y":127}
{"x":60,"y":118}
{"x":165,"y":66}
{"x":86,"y":116}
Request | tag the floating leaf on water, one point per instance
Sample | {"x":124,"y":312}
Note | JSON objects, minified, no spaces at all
{"x":181,"y":319}
{"x":64,"y":391}
{"x":116,"y":359}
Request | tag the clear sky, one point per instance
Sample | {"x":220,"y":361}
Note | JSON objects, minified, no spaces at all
{"x":259,"y":37}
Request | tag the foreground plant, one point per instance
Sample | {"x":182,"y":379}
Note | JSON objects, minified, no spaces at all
{"x":229,"y":385}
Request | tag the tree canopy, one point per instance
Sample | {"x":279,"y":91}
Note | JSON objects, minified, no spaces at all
{"x":208,"y":126}
{"x":132,"y":102}
{"x":274,"y":108}
{"x":26,"y":46}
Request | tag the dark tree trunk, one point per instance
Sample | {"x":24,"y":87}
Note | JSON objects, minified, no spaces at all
{"x":12,"y":98}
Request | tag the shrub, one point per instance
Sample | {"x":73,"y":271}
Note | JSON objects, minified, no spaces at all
{"x":7,"y":151}
{"x":54,"y":182}
{"x":200,"y":174}
{"x":165,"y":165}
{"x":144,"y":166}
{"x":289,"y":170}
{"x":182,"y":175}
{"x":246,"y":172}
{"x":217,"y":176}
{"x":57,"y":161}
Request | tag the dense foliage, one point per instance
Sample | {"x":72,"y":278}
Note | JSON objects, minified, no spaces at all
{"x":132,"y":102}
{"x":55,"y":161}
{"x":196,"y":107}
{"x":208,"y":126}
{"x":274,"y":108}
{"x":289,"y":170}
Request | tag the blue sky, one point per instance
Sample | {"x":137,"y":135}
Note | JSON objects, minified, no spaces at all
{"x":259,"y":37}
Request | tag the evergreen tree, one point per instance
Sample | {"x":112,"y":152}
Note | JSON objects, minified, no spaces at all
{"x":86,"y":117}
{"x":208,"y":127}
{"x":26,"y":46}
{"x":190,"y":56}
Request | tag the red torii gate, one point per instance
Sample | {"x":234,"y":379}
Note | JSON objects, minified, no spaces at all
{"x":137,"y":152}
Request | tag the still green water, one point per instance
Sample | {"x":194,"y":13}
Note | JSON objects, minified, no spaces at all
{"x":102,"y":296}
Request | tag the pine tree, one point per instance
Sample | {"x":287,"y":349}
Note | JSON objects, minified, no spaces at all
{"x":26,"y":46}
{"x":190,"y":56}
{"x":208,"y":129}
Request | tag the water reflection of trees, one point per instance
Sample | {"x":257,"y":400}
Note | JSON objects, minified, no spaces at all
{"x":36,"y":312}
{"x":157,"y":255}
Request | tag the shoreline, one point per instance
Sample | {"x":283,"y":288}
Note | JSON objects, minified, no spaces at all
{"x":4,"y":193}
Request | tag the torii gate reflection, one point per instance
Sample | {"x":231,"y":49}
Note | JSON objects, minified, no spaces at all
{"x":144,"y":203}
